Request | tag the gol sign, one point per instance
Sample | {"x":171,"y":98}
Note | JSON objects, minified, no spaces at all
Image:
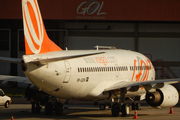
{"x":91,"y":7}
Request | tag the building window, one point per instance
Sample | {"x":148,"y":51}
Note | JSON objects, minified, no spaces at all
{"x":4,"y":39}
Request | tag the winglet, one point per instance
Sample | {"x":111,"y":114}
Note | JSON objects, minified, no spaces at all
{"x":36,"y":38}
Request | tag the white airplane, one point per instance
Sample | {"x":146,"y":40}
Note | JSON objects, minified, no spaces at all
{"x":89,"y":75}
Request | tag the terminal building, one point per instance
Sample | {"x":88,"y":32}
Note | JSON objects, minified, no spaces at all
{"x":151,"y":27}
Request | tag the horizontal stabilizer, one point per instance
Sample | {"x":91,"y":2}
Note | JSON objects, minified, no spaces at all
{"x":12,"y":60}
{"x":41,"y":60}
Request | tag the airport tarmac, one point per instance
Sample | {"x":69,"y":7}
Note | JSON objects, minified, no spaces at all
{"x":23,"y":112}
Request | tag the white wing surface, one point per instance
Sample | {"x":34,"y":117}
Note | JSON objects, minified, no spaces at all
{"x":125,"y":84}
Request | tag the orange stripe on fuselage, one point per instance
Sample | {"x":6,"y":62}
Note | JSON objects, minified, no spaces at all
{"x":138,"y":76}
{"x":134,"y":69}
{"x":147,"y":71}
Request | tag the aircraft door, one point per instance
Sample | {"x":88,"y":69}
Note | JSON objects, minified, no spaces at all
{"x":68,"y":72}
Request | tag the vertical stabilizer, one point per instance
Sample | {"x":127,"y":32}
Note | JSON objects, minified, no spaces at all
{"x":36,"y":38}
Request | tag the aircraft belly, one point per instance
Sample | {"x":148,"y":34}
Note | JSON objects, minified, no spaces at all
{"x":137,"y":93}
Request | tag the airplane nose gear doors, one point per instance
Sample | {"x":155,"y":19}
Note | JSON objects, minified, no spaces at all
{"x":68,"y":72}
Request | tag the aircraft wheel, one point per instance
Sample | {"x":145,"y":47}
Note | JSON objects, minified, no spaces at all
{"x":102,"y":106}
{"x":49,"y":109}
{"x":115,"y":110}
{"x":58,"y":108}
{"x":125,"y":110}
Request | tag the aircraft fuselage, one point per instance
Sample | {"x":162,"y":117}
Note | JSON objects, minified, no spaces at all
{"x":86,"y":77}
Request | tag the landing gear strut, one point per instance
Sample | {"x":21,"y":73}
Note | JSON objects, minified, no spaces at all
{"x":136,"y":106}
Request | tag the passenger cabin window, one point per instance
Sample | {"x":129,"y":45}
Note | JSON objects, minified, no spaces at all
{"x":107,"y":69}
{"x":139,"y":68}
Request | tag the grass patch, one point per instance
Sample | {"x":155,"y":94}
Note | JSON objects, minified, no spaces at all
{"x":14,"y":91}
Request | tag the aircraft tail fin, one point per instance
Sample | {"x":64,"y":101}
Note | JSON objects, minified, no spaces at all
{"x":36,"y":38}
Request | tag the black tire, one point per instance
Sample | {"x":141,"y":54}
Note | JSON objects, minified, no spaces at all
{"x":115,"y":110}
{"x":125,"y":110}
{"x":7,"y":104}
{"x":102,"y":106}
{"x":58,"y":108}
{"x":49,"y":109}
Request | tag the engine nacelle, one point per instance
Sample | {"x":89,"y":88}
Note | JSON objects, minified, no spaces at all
{"x":165,"y":97}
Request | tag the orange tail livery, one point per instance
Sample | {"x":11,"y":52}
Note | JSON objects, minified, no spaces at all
{"x":36,"y":38}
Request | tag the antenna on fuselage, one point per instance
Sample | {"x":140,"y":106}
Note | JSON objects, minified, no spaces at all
{"x":97,"y":47}
{"x":105,"y":47}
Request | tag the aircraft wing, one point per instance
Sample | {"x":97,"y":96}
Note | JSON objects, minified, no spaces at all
{"x":7,"y":78}
{"x":152,"y":84}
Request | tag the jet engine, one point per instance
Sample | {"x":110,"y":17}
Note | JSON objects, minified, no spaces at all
{"x":166,"y":96}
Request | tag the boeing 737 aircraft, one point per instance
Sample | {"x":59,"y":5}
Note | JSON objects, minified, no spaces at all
{"x":88,"y":75}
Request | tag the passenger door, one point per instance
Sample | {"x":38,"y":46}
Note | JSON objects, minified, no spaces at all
{"x":68,"y":72}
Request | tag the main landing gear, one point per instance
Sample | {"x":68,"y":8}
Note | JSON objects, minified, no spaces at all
{"x":116,"y":108}
{"x":57,"y":108}
{"x":120,"y":106}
